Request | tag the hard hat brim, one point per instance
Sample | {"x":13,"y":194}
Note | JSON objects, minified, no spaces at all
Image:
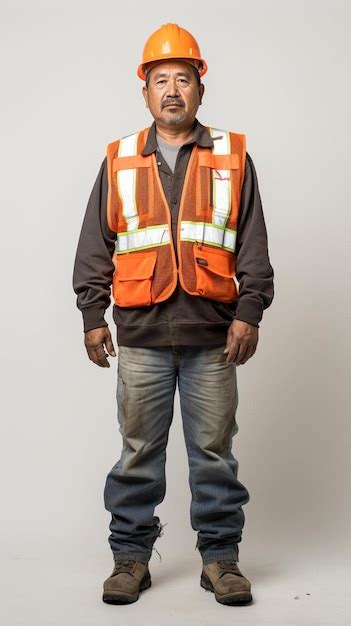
{"x":141,"y":67}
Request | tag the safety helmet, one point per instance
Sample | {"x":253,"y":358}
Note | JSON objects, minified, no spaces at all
{"x":171,"y":42}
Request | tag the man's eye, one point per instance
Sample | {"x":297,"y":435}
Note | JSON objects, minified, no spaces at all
{"x":160,"y":81}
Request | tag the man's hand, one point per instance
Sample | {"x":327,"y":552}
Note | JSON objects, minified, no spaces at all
{"x":94,"y":342}
{"x":242,"y":339}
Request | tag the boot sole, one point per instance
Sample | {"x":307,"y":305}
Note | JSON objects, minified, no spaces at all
{"x":235,"y":597}
{"x":122,"y":597}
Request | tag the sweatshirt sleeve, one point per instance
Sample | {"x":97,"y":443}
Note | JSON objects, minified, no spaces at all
{"x":254,"y":270}
{"x":93,"y":266}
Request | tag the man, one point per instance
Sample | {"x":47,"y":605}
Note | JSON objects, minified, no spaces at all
{"x":175,"y":214}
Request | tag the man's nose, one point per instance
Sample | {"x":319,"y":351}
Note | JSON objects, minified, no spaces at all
{"x":172,"y":89}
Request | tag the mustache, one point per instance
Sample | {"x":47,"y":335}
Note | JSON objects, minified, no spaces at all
{"x":167,"y":102}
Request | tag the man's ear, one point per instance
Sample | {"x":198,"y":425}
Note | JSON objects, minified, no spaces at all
{"x":145,"y":94}
{"x":201,"y":91}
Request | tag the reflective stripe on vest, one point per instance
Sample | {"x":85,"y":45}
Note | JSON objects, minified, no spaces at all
{"x":126,"y":182}
{"x":204,"y":232}
{"x":221,"y":180}
{"x":213,"y":233}
{"x":142,"y":238}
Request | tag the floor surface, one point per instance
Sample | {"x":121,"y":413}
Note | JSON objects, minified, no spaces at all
{"x":67,"y":592}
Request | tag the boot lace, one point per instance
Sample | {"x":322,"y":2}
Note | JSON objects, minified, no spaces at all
{"x":124,"y":565}
{"x":228,"y":566}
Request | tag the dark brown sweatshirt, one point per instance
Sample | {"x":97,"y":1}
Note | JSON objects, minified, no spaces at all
{"x":182,"y":319}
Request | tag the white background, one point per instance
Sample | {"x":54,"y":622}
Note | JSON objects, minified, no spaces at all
{"x":278,"y":72}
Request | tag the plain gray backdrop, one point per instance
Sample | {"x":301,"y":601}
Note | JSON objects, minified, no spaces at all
{"x":278,"y":72}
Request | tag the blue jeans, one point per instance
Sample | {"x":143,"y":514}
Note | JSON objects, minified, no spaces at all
{"x":147,"y":379}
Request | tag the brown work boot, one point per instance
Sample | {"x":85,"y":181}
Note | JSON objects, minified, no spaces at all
{"x":224,"y":578}
{"x":128,"y":578}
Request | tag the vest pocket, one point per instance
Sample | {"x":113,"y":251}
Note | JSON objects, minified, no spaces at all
{"x":132,"y":280}
{"x":215,"y":271}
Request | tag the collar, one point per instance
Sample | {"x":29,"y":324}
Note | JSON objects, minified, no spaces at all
{"x":201,"y":136}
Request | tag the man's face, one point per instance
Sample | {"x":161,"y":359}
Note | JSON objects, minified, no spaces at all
{"x":173,"y":94}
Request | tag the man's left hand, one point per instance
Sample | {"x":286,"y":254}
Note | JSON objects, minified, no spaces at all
{"x":242,"y":342}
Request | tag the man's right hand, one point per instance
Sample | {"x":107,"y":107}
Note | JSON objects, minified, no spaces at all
{"x":94,"y":342}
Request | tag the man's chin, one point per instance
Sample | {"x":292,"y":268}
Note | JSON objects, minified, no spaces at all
{"x":173,"y":118}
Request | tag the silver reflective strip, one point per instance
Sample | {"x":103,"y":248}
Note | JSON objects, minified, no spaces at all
{"x":221,"y":180}
{"x":142,"y":238}
{"x":205,"y":232}
{"x":126,"y":180}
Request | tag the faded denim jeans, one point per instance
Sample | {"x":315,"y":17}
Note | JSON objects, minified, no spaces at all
{"x":147,"y":380}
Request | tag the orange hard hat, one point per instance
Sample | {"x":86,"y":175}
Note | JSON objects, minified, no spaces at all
{"x":171,"y":42}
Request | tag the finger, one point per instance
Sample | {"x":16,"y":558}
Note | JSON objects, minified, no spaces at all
{"x":246,"y":356}
{"x":92,"y":352}
{"x":251,"y":352}
{"x":93,"y":356}
{"x":98,"y":355}
{"x":241,"y":354}
{"x":102,"y":356}
{"x":233,"y":349}
{"x":110,"y":347}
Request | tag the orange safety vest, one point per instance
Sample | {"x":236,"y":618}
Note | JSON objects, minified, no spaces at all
{"x":146,"y":269}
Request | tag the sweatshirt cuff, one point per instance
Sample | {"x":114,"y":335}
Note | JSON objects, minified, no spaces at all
{"x":93,"y":317}
{"x":249,"y":311}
